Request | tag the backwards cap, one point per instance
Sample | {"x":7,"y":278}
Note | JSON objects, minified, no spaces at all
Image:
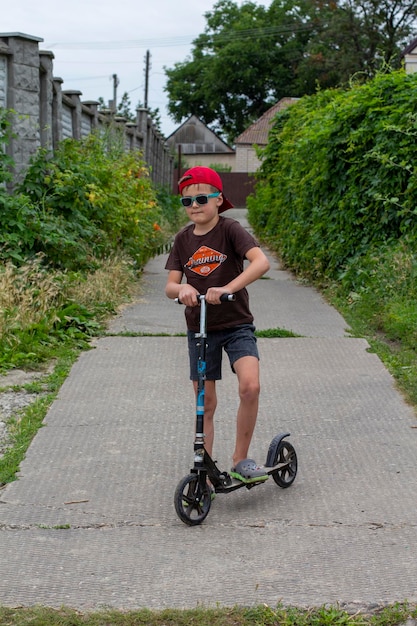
{"x":204,"y":175}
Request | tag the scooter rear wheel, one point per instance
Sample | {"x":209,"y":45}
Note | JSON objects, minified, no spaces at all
{"x":284,"y":453}
{"x":192,"y":500}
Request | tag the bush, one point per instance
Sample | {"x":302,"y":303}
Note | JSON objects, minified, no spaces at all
{"x":339,"y":175}
{"x":86,"y":201}
{"x":73,"y":235}
{"x":337,"y":198}
{"x":90,"y":201}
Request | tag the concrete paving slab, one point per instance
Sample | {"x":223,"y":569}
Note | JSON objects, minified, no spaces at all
{"x":90,"y":522}
{"x":152,"y":313}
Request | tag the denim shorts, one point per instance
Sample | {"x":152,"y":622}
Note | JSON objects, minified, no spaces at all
{"x":237,"y":342}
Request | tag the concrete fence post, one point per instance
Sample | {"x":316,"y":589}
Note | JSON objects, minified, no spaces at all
{"x":23,"y":96}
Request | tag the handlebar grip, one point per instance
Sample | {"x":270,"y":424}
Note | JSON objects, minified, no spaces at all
{"x":225,"y":297}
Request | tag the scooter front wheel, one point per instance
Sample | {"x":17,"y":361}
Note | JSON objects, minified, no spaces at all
{"x":283,"y":453}
{"x":192,"y":500}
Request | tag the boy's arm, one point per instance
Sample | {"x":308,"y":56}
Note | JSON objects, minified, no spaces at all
{"x":258,"y":266}
{"x":175,"y":289}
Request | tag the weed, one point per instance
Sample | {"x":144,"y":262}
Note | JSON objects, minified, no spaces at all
{"x":262,"y":615}
{"x":276,"y":332}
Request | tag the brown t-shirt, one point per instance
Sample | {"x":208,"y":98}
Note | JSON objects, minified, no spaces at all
{"x":213,"y":260}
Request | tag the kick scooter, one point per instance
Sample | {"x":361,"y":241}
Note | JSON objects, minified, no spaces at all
{"x":193,"y":495}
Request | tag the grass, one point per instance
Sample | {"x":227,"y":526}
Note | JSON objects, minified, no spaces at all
{"x":236,"y":616}
{"x":50,"y":317}
{"x":378,"y":298}
{"x":41,"y":310}
{"x":382,"y":308}
{"x":271,"y":333}
{"x":399,"y":359}
{"x":23,"y":426}
{"x":268,"y":333}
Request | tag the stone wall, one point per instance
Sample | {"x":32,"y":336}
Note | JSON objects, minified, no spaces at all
{"x":45,"y":114}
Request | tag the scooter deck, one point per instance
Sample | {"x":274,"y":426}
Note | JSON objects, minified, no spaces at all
{"x":278,"y":466}
{"x":238,"y":484}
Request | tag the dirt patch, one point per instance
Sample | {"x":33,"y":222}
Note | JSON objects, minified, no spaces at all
{"x":13,"y":399}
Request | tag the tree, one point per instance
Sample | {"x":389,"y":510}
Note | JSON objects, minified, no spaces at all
{"x":387,"y":26}
{"x":241,"y":64}
{"x":332,"y":53}
{"x":250,"y":56}
{"x":355,"y":37}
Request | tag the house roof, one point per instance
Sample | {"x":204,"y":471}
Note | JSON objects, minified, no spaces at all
{"x":258,"y":132}
{"x":197,"y":138}
{"x":411,"y":48}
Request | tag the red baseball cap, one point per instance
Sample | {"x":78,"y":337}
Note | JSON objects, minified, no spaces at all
{"x":205,"y":175}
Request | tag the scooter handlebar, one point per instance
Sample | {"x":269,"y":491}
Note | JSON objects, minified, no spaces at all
{"x":225,"y":297}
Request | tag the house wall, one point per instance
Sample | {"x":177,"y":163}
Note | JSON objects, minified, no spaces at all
{"x":246,"y":159}
{"x":410,"y":63}
{"x":224,"y":159}
{"x":46,"y":114}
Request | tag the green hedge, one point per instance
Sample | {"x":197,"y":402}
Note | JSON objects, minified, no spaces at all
{"x":339,"y":176}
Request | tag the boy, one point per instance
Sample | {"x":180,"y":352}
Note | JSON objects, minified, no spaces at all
{"x":210,"y":253}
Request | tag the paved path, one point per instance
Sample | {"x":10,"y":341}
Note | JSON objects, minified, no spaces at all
{"x":91,"y":523}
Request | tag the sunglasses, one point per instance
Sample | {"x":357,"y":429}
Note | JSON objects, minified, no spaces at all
{"x":202,"y":198}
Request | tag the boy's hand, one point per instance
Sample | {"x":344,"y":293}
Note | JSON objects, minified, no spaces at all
{"x":188,"y":295}
{"x":213,"y":294}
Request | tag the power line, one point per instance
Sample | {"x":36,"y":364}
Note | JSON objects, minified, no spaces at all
{"x":266,"y":31}
{"x":72,"y":62}
{"x":89,"y":77}
{"x":112,"y":45}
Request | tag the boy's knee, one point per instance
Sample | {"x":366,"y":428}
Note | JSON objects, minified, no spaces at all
{"x":249,"y":391}
{"x":210,"y":403}
{"x":209,"y":408}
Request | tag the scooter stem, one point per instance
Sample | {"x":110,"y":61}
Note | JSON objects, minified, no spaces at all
{"x":201,"y":369}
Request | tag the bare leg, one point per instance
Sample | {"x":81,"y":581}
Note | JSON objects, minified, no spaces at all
{"x":210,"y":404}
{"x":247,"y":370}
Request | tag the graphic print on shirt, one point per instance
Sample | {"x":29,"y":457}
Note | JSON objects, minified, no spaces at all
{"x":205,"y":260}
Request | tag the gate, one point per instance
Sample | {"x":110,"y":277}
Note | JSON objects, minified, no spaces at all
{"x":237,"y":186}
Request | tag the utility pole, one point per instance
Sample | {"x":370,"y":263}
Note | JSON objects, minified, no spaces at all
{"x":147,"y":68}
{"x":115,"y":85}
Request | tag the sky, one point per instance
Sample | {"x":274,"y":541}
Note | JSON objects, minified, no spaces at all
{"x":94,"y":39}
